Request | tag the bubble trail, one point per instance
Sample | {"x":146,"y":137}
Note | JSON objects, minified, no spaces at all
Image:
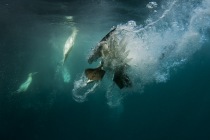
{"x":162,"y":45}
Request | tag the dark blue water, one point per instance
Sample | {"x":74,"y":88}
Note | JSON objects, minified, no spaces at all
{"x":32,"y":36}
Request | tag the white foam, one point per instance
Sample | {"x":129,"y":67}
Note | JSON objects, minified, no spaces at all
{"x":162,"y":45}
{"x":82,"y":89}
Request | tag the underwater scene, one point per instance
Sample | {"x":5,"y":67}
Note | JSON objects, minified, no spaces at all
{"x":104,"y":69}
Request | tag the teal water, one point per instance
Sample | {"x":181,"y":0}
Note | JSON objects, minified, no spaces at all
{"x":169,"y":99}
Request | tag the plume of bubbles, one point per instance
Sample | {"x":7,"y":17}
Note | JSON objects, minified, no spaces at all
{"x":82,"y":89}
{"x":164,"y":43}
{"x":151,"y":5}
{"x":66,"y":75}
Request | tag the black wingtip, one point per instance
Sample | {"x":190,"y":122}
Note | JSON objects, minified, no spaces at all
{"x":121,"y":79}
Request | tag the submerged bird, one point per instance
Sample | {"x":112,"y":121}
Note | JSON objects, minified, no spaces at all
{"x":69,"y":44}
{"x":66,"y":50}
{"x":114,"y":59}
{"x":24,"y":86}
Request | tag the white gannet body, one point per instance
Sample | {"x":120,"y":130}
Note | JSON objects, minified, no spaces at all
{"x":24,"y":86}
{"x":69,"y":44}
